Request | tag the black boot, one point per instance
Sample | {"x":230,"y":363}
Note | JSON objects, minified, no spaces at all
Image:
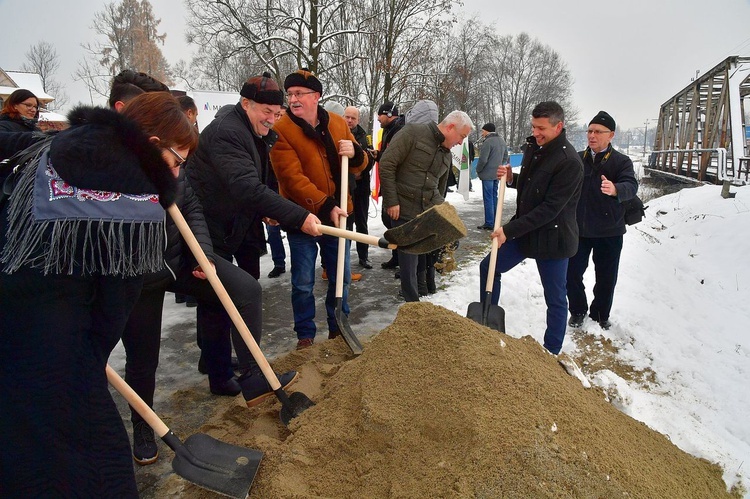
{"x":255,"y":387}
{"x":422,"y":283}
{"x":431,"y":287}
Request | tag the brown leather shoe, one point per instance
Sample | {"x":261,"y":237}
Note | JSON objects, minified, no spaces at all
{"x":304,"y":343}
{"x":324,"y":275}
{"x":356,"y":277}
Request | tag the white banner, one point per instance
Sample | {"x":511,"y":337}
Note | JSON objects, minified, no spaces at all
{"x":209,"y":102}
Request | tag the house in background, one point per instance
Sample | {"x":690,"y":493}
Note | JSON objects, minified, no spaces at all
{"x":10,"y":81}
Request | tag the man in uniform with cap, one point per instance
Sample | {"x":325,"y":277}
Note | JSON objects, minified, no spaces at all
{"x":307,"y":162}
{"x":492,"y":154}
{"x":608,"y":180}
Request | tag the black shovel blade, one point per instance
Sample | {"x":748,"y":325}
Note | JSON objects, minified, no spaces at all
{"x":486,"y":314}
{"x":294,"y":405}
{"x":431,"y":230}
{"x":214,"y":465}
{"x":346,"y":330}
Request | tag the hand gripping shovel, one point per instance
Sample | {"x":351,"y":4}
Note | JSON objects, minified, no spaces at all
{"x":341,"y":318}
{"x":202,"y":460}
{"x":431,"y":230}
{"x":291,"y":405}
{"x":484,"y":312}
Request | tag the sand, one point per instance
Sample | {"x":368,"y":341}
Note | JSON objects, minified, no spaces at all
{"x":439,"y":406}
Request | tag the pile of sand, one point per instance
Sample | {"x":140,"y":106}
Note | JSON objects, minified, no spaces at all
{"x":437,"y":406}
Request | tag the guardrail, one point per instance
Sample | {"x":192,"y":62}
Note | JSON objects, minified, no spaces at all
{"x":721,"y":169}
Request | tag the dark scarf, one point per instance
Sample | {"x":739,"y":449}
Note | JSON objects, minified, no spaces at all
{"x":322,"y":136}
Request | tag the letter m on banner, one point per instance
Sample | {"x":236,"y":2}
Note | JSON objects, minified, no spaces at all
{"x":460,"y":154}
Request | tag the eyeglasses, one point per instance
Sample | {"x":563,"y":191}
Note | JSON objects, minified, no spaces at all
{"x":180,"y":159}
{"x":597,"y":132}
{"x":298,"y":95}
{"x":29,"y":106}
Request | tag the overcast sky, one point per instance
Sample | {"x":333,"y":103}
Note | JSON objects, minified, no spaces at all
{"x":626,"y":58}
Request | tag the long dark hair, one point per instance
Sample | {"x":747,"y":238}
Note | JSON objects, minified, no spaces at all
{"x":15,"y":99}
{"x":159,"y":114}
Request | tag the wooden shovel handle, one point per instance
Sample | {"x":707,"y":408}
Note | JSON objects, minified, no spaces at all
{"x":221,"y":292}
{"x":493,"y":251}
{"x":137,"y":403}
{"x":356,"y":236}
{"x":343,"y":204}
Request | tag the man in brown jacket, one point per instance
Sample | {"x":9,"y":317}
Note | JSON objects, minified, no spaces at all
{"x":307,"y":163}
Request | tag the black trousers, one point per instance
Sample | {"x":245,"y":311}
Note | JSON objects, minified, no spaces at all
{"x":389,"y":224}
{"x":361,"y":199}
{"x":606,"y":258}
{"x":142,"y":335}
{"x":61,"y":433}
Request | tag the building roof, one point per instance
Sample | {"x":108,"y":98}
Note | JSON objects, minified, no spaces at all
{"x":10,"y":81}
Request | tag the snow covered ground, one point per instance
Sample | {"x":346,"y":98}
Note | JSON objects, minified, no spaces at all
{"x":681,"y":310}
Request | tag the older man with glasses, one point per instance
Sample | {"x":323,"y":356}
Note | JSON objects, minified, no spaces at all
{"x":307,"y":162}
{"x":608,"y":180}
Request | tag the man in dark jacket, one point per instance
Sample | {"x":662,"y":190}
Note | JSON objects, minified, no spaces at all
{"x":608,"y":180}
{"x":414,"y":175}
{"x":229,"y":172}
{"x":493,"y":153}
{"x":361,"y":189}
{"x":391,"y":122}
{"x":544,"y":226}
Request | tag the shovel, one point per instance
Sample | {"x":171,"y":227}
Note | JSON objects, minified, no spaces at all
{"x":429,"y":231}
{"x":341,"y":318}
{"x":484,"y":312}
{"x":203,"y":460}
{"x":291,"y":405}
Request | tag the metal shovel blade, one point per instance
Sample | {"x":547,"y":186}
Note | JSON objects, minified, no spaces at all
{"x":297,"y":403}
{"x":214,"y":465}
{"x":431,"y":230}
{"x":487,"y":314}
{"x":346,"y":330}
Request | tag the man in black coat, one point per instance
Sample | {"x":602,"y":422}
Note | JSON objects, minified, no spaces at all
{"x":361,"y":191}
{"x":391,"y":122}
{"x":544,"y":227}
{"x":608,"y":180}
{"x":230,"y":173}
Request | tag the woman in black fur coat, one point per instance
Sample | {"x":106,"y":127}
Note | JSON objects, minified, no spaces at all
{"x":84,"y":223}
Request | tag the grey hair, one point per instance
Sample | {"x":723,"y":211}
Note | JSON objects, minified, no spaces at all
{"x":458,"y":118}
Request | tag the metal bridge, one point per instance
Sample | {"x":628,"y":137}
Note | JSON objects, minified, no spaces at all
{"x":701,"y":131}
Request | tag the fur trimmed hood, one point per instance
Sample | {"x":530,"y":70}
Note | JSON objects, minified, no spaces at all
{"x":104,"y":150}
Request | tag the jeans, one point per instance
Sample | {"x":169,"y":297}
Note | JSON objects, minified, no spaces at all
{"x":304,"y":253}
{"x":606,"y":265}
{"x":278,"y":254}
{"x":489,"y":196}
{"x":552,"y":273}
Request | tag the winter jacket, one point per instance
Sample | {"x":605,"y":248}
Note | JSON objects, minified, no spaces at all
{"x":229,"y":173}
{"x":493,"y":153}
{"x":549,"y":186}
{"x":360,"y":135}
{"x":8,"y":124}
{"x":414,"y":170}
{"x":389,"y":132}
{"x":307,"y":164}
{"x":178,"y":255}
{"x":600,"y":215}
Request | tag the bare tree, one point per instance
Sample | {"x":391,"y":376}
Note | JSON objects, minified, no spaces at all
{"x":131,"y":41}
{"x":43,"y":60}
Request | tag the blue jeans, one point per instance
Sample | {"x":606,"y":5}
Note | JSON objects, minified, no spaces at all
{"x":553,"y":275}
{"x":278,"y":254}
{"x":304,"y":253}
{"x":489,"y":196}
